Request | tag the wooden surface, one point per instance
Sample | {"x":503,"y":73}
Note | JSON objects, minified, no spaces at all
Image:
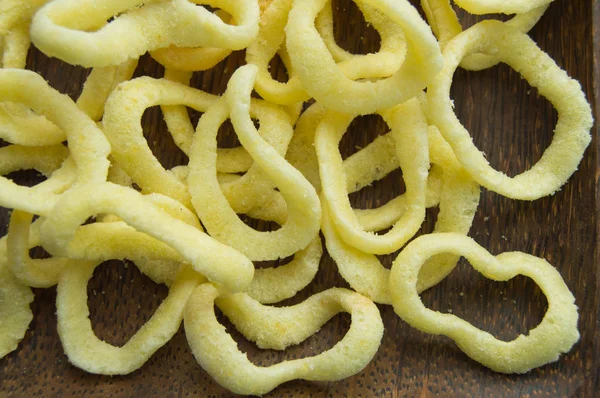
{"x":510,"y":122}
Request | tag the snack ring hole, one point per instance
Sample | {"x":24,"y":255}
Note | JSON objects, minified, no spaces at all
{"x":38,"y":253}
{"x":514,"y":146}
{"x":379,"y":192}
{"x":112,"y":281}
{"x":324,"y":339}
{"x":278,"y":70}
{"x":215,"y":80}
{"x":273,"y":263}
{"x":27,"y":178}
{"x":161,"y":143}
{"x":361,"y":132}
{"x":475,"y":301}
{"x":226,"y":137}
{"x":359,"y":37}
{"x":259,"y":225}
{"x":44,"y":66}
{"x":428,"y":227}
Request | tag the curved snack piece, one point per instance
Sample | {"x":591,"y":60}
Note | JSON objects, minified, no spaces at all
{"x":122,"y":126}
{"x":77,"y":32}
{"x":21,"y":126}
{"x":15,"y":20}
{"x":500,"y":6}
{"x":303,"y":207}
{"x":572,"y":133}
{"x":88,"y":145}
{"x":100,"y":84}
{"x":458,"y":202}
{"x":45,"y":159}
{"x":446,"y":26}
{"x":372,"y":163}
{"x":409,"y":129}
{"x":177,"y":118}
{"x":39,"y":273}
{"x":272,"y":285}
{"x":261,"y":51}
{"x":96,"y":241}
{"x":15,"y":313}
{"x":188,"y":59}
{"x":14,"y":46}
{"x":556,"y":334}
{"x":219,"y":355}
{"x":324,"y":81}
{"x":381,"y":64}
{"x":93,"y":355}
{"x":210,"y":258}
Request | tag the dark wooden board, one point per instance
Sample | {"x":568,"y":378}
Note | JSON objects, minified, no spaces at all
{"x":510,"y":122}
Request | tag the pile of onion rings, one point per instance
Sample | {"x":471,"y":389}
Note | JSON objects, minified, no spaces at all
{"x":107,"y":196}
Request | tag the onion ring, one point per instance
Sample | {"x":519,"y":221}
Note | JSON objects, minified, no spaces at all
{"x":93,"y":355}
{"x":572,"y":133}
{"x":446,"y":26}
{"x":88,"y":145}
{"x":217,"y":216}
{"x":210,"y":258}
{"x":556,"y":333}
{"x":458,"y":203}
{"x":219,"y":355}
{"x":61,"y":28}
{"x":409,"y":129}
{"x":325,"y":82}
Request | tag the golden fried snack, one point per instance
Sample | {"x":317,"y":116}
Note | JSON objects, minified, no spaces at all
{"x":93,"y":355}
{"x":96,"y":241}
{"x":100,"y":84}
{"x":446,"y":26}
{"x":572,"y":133}
{"x":216,"y":214}
{"x":15,"y":20}
{"x":87,"y":144}
{"x":409,"y":130}
{"x":14,"y":47}
{"x":192,"y":59}
{"x":20,"y":125}
{"x":555,"y":335}
{"x":45,"y":159}
{"x":229,"y":160}
{"x":501,"y":6}
{"x":23,"y":236}
{"x":381,"y":64}
{"x":261,"y":51}
{"x":458,"y":203}
{"x":77,"y":32}
{"x":301,"y":152}
{"x":324,"y":81}
{"x":272,"y":285}
{"x":210,"y":258}
{"x":219,"y":355}
{"x":15,"y":313}
{"x":362,"y":168}
{"x":374,"y":162}
{"x":122,"y":126}
{"x":271,"y":39}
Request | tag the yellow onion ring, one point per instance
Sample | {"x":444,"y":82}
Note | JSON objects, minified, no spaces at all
{"x":572,"y":133}
{"x":219,"y":355}
{"x":556,"y":333}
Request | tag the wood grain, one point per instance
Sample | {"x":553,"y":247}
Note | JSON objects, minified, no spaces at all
{"x":509,"y":121}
